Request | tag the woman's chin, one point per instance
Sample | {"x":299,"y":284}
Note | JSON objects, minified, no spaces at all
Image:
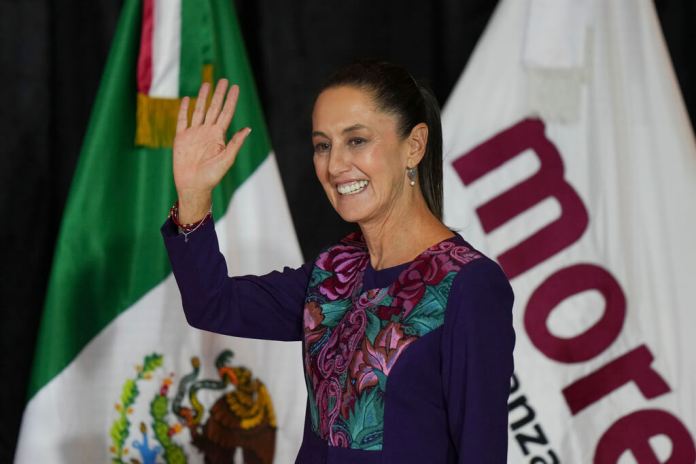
{"x":352,"y":213}
{"x":350,"y":217}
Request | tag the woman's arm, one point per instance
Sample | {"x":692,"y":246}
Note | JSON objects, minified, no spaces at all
{"x":267,"y":307}
{"x":477,"y":362}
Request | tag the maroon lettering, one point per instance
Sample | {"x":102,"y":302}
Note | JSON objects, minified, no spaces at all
{"x":632,"y":433}
{"x":547,"y":182}
{"x":563,"y":284}
{"x":632,"y":366}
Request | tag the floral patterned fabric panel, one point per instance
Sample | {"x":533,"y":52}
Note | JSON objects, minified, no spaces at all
{"x":354,"y":337}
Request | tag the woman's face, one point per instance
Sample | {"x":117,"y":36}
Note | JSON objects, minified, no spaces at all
{"x":359,"y":157}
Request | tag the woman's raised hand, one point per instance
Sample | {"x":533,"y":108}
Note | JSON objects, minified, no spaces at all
{"x":201,"y":154}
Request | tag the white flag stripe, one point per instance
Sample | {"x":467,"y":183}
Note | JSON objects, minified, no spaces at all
{"x":166,"y":48}
{"x":556,"y":31}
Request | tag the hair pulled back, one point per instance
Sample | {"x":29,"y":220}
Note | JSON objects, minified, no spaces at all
{"x":396,"y":92}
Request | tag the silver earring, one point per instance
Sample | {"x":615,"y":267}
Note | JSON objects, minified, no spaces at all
{"x":411,"y":173}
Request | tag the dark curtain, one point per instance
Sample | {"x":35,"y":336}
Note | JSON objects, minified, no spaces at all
{"x":51,"y":59}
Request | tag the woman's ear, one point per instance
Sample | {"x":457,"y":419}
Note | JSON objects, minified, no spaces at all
{"x":417,"y":142}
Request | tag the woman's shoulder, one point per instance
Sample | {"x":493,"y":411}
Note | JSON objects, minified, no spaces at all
{"x":484,"y":263}
{"x":480,"y":301}
{"x":480,"y":275}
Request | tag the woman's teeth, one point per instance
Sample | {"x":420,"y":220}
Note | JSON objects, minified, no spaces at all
{"x":352,"y":187}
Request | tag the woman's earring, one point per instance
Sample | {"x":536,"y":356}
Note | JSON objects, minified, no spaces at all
{"x":411,"y":173}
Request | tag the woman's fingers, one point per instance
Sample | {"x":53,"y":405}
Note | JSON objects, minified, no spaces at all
{"x":182,"y":118}
{"x":220,"y":112}
{"x":228,"y":110}
{"x":199,"y":111}
{"x":212,"y":115}
{"x":234,"y":145}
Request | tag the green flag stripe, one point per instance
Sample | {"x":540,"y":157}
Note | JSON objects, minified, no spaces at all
{"x":196,"y":44}
{"x":109,"y":251}
{"x":231,"y":62}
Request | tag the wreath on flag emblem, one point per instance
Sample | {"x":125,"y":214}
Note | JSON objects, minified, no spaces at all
{"x":240,"y":420}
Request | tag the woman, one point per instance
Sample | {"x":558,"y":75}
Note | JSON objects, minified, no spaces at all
{"x":406,"y":329}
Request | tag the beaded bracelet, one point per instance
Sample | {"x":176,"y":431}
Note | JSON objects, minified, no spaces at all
{"x":186,"y":229}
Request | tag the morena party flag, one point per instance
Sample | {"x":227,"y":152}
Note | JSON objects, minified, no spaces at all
{"x":570,"y":159}
{"x":119,"y":376}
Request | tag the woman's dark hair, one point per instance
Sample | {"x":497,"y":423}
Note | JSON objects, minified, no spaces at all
{"x":396,"y":92}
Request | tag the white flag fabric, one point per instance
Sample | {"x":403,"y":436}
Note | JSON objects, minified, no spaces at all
{"x":569,"y":158}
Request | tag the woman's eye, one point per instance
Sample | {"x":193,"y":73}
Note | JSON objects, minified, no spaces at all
{"x":321,"y":147}
{"x":356,"y":141}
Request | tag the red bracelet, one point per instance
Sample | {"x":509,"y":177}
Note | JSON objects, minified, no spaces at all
{"x":186,"y":229}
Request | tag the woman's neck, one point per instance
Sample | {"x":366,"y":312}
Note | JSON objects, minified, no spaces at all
{"x":403,"y":235}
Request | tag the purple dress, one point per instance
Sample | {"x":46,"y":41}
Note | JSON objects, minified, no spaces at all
{"x":409,"y":364}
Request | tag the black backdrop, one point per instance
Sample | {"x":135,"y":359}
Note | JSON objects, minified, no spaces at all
{"x":51,"y":58}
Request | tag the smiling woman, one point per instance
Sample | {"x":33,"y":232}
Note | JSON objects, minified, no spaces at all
{"x":406,"y":328}
{"x":362,"y":165}
{"x":392,"y":108}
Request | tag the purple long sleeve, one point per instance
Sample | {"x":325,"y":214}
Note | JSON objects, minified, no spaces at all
{"x":478,"y":363}
{"x":266,"y":307}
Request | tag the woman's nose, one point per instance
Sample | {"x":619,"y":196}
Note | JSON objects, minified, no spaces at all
{"x":339,"y":161}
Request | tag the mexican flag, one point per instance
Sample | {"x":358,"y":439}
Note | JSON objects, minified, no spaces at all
{"x":118,"y":374}
{"x":570,"y":159}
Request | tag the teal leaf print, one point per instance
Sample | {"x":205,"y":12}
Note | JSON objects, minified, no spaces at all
{"x":382,"y":379}
{"x":365,"y":422}
{"x":445,"y":285}
{"x":313,"y":409}
{"x":369,"y":439}
{"x":334,"y":311}
{"x":429,"y":313}
{"x":374,"y":325}
{"x":387,"y":301}
{"x":318,"y":276}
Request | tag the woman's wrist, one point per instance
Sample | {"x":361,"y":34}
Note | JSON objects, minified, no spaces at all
{"x":187,"y":228}
{"x":193,"y":206}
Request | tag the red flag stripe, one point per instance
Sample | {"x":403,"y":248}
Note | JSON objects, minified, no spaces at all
{"x":145,"y":56}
